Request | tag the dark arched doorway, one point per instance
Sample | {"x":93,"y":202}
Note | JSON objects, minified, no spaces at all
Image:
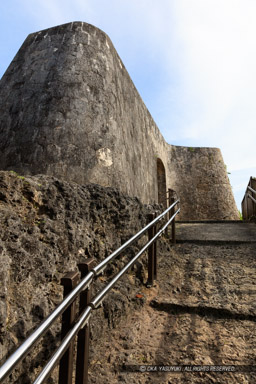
{"x":161,"y":183}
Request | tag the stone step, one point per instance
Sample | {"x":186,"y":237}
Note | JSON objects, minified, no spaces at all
{"x":200,"y":312}
{"x":216,"y":232}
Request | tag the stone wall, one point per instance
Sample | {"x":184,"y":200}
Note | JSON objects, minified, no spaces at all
{"x":199,"y":176}
{"x":68,"y":108}
{"x":47,"y":226}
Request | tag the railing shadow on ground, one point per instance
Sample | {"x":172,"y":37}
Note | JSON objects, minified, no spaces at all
{"x":76,"y":322}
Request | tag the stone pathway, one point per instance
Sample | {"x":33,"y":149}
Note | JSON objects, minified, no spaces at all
{"x":201,"y":312}
{"x":229,"y":232}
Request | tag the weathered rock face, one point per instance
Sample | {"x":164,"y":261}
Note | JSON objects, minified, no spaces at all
{"x":46,"y":227}
{"x":201,"y":312}
{"x":199,"y":177}
{"x":69,"y":109}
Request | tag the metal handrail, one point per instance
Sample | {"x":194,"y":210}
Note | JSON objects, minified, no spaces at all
{"x":249,"y":209}
{"x":101,"y":266}
{"x":26,"y":346}
{"x":95,"y":303}
{"x":82,"y":321}
{"x":252,"y":198}
{"x":250,"y":189}
{"x":97,"y":300}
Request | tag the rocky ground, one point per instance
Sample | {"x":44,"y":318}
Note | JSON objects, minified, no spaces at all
{"x":202,"y":311}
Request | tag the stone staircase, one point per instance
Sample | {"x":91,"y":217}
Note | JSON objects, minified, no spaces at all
{"x":216,"y":232}
{"x":202,"y":311}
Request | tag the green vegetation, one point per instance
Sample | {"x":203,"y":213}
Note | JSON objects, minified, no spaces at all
{"x":229,"y":173}
{"x":17,"y":175}
{"x":39,"y":221}
{"x":191,"y":149}
{"x":240,"y":215}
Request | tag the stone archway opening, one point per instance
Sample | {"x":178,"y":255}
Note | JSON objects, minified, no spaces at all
{"x":161,"y":183}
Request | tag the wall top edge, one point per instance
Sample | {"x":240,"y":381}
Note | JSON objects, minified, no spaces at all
{"x":192,"y":148}
{"x":74,"y":26}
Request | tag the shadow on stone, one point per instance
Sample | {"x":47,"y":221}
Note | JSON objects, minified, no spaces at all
{"x":217,"y":313}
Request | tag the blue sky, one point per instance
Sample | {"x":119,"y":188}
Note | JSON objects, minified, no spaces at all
{"x":192,"y":61}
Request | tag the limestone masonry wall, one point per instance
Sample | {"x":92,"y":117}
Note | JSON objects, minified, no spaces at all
{"x":199,"y":177}
{"x":68,"y":108}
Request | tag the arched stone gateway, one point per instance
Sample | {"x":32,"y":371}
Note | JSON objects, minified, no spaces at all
{"x":161,"y":182}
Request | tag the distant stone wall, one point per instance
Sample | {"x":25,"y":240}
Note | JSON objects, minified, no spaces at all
{"x":199,"y":177}
{"x":68,"y":108}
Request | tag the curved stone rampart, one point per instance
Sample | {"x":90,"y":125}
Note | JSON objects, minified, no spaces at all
{"x":199,"y":177}
{"x":69,"y":108}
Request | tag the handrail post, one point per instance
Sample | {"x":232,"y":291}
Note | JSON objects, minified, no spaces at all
{"x":172,"y":200}
{"x":167,"y":205}
{"x":249,"y":204}
{"x":82,"y":359}
{"x":253,"y":186}
{"x":245,"y":208}
{"x":155,"y":250}
{"x":69,"y":282}
{"x":151,"y":258}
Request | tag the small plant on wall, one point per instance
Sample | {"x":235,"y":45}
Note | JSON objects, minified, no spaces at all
{"x":229,"y":173}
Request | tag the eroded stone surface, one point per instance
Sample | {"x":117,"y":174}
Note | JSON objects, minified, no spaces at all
{"x":202,"y":312}
{"x":199,"y":176}
{"x":47,"y":226}
{"x":68,"y":108}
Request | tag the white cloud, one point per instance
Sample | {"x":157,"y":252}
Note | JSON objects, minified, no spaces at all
{"x":194,"y":60}
{"x":210,"y":92}
{"x":216,"y":60}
